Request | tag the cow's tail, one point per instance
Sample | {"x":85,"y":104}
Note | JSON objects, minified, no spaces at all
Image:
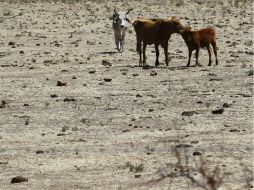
{"x":138,"y":47}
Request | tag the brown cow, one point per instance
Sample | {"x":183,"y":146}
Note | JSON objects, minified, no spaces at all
{"x":157,"y":32}
{"x":199,"y":39}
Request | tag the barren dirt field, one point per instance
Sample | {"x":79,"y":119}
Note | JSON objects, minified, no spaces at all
{"x":76,"y":114}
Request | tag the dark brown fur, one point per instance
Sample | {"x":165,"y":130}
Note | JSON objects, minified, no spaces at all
{"x":157,"y":32}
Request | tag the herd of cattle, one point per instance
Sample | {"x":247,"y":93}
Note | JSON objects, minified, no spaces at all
{"x":157,"y":31}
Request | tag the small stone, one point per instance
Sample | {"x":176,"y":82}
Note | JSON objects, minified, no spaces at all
{"x":250,"y":72}
{"x":59,"y":83}
{"x":153,"y":73}
{"x":225,"y":105}
{"x":234,"y":130}
{"x":39,"y":152}
{"x":92,"y":71}
{"x":106,"y":63}
{"x":11,"y":43}
{"x":53,"y":95}
{"x":60,"y":134}
{"x":135,"y":74}
{"x":194,"y":142}
{"x":21,"y":52}
{"x":183,"y":146}
{"x":139,"y":96}
{"x":69,"y":100}
{"x":137,"y":176}
{"x":196,"y":153}
{"x":74,"y":129}
{"x":218,"y":111}
{"x":189,"y":113}
{"x":33,"y":60}
{"x":19,"y":179}
{"x":26,"y":105}
{"x":3,"y":104}
{"x":107,"y":79}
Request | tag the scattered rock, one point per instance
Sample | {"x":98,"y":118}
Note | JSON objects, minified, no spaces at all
{"x":218,"y":111}
{"x":3,"y":104}
{"x":27,"y":121}
{"x":53,"y":95}
{"x":107,"y":79}
{"x":65,"y":128}
{"x":137,"y":175}
{"x":61,"y":134}
{"x":196,"y":153}
{"x":106,"y":63}
{"x":39,"y":152}
{"x":250,"y":72}
{"x":33,"y":60}
{"x":234,"y":130}
{"x":183,"y":146}
{"x":74,"y":77}
{"x":21,"y":52}
{"x":215,"y":79}
{"x":189,"y":113}
{"x":74,"y":129}
{"x":153,"y":73}
{"x":151,"y":110}
{"x":19,"y":179}
{"x":11,"y":43}
{"x":135,"y":74}
{"x":92,"y":71}
{"x":69,"y":100}
{"x":59,"y":83}
{"x":139,"y":96}
{"x":194,"y":142}
{"x":125,"y":130}
{"x":84,"y":120}
{"x":225,"y":105}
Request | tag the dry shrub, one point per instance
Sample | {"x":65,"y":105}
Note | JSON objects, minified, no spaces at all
{"x":211,"y":179}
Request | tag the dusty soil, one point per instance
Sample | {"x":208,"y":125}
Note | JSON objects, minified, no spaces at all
{"x":63,"y":125}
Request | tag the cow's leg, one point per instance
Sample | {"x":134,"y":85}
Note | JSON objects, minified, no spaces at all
{"x":139,"y":49}
{"x":123,"y":39}
{"x":157,"y":55}
{"x":166,"y":53}
{"x":189,"y":60}
{"x":214,"y":50}
{"x":117,"y":41}
{"x":144,"y":53}
{"x":209,"y":53}
{"x":197,"y":52}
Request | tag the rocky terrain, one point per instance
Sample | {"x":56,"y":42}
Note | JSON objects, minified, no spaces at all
{"x":75,"y":114}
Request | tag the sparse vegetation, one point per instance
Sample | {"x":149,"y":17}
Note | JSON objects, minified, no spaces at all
{"x":134,"y":168}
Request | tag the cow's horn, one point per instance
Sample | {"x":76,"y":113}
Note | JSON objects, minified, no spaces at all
{"x":128,"y":11}
{"x":115,"y":12}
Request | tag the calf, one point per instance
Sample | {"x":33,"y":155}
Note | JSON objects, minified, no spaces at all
{"x":200,"y":39}
{"x":157,"y":32}
{"x":120,"y":22}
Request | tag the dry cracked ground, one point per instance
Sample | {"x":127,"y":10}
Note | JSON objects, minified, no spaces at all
{"x":75,"y":114}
